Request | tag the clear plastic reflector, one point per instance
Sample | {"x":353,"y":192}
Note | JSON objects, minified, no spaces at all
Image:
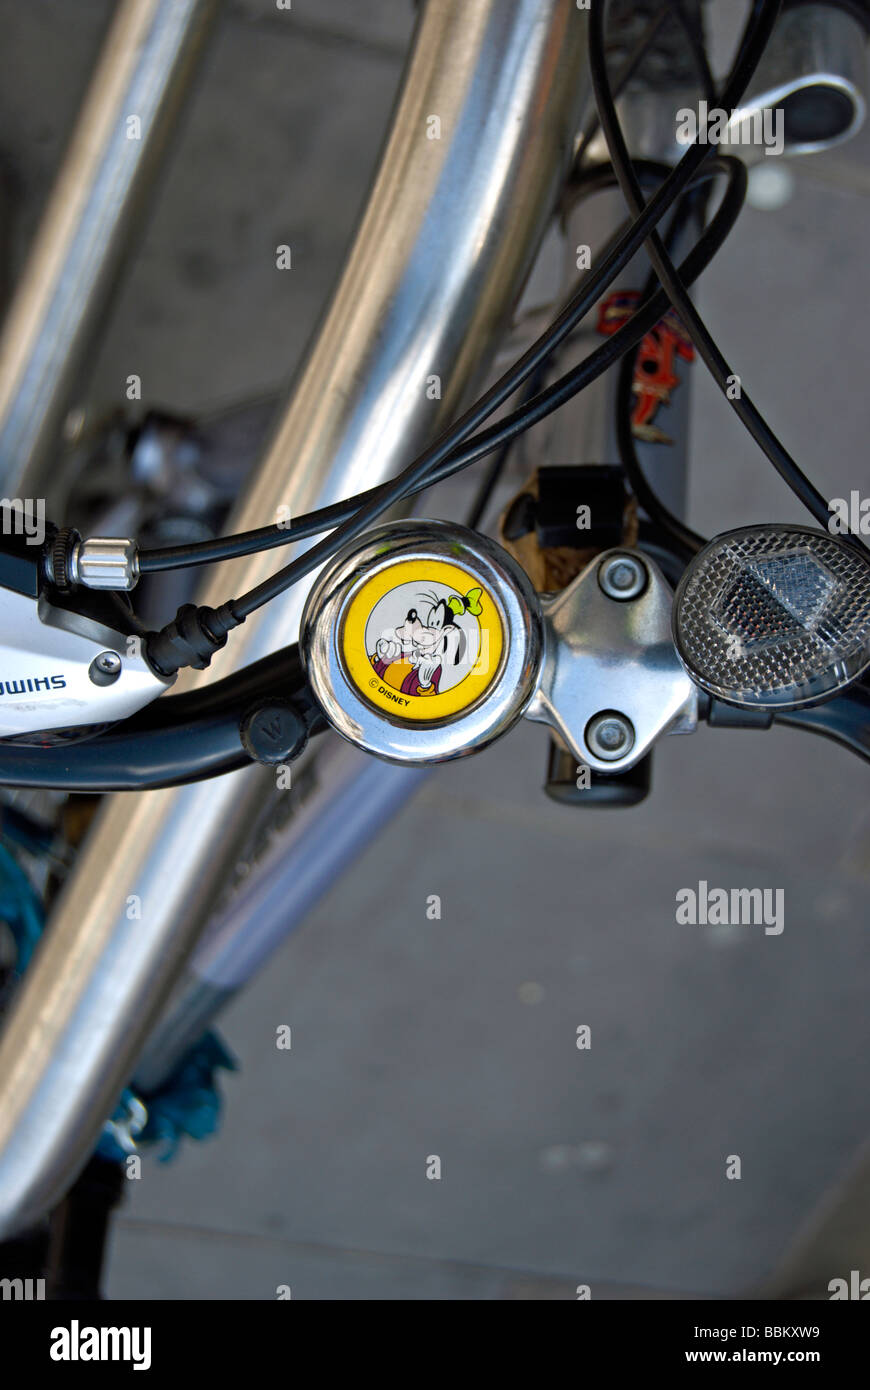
{"x":774,"y":616}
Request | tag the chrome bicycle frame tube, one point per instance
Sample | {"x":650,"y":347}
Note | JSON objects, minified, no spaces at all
{"x":144,"y":72}
{"x":355,"y":798}
{"x":311,"y":850}
{"x":481,"y":138}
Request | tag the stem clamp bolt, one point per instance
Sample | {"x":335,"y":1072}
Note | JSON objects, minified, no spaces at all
{"x":610,"y":736}
{"x":622,"y":576}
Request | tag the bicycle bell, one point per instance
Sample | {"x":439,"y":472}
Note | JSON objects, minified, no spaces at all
{"x":422,"y":641}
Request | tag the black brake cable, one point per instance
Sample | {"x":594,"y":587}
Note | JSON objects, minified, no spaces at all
{"x":625,"y":74}
{"x":695,"y":38}
{"x":672,"y":282}
{"x":582,"y":182}
{"x":479,"y":445}
{"x":680,"y":535}
{"x":645,"y":317}
{"x":759,"y":27}
{"x":673,"y":11}
{"x":241,"y":543}
{"x":615,"y":261}
{"x":685,"y":540}
{"x":196,"y":633}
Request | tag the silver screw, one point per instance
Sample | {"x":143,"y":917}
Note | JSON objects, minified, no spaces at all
{"x":610,"y":736}
{"x":105,"y":668}
{"x":622,"y":576}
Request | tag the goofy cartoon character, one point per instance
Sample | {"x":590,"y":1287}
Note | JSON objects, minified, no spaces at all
{"x":412,"y":657}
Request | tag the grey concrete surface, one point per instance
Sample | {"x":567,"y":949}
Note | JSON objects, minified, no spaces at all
{"x":457,"y":1037}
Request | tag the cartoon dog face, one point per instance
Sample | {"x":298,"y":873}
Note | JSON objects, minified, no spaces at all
{"x":426,"y":643}
{"x":425,"y":651}
{"x":441,"y":635}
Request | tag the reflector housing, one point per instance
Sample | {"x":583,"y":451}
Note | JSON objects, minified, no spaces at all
{"x":774,"y":616}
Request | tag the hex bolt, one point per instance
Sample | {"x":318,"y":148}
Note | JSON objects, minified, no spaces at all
{"x":622,"y":576}
{"x":105,"y":668}
{"x":610,"y":736}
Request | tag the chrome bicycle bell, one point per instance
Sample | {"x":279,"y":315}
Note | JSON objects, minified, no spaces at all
{"x":422,"y":641}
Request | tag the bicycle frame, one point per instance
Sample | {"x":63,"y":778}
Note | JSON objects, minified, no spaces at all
{"x":448,"y":237}
{"x":506,"y":78}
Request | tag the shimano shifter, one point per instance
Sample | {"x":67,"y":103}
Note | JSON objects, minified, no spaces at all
{"x":71,"y":661}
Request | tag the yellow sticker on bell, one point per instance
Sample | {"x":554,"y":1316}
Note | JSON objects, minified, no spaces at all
{"x":422,"y":639}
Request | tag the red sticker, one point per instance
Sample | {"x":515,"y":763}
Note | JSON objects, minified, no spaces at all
{"x":654,"y":374}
